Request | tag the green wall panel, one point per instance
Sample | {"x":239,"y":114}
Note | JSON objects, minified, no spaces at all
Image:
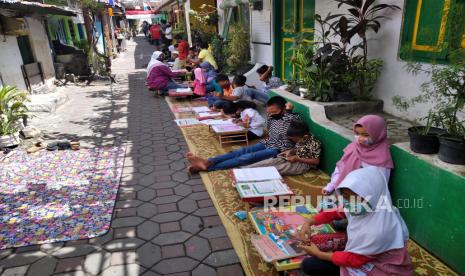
{"x":437,"y":220}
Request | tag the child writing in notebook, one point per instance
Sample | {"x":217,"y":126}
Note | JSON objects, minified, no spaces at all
{"x":300,"y":159}
{"x":248,"y":117}
{"x":369,"y":148}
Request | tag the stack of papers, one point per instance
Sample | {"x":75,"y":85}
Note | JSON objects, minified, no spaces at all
{"x":257,"y":183}
{"x":187,"y":122}
{"x":227,"y":128}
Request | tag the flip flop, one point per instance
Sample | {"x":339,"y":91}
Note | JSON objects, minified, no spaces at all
{"x":52,"y":146}
{"x":37,"y":146}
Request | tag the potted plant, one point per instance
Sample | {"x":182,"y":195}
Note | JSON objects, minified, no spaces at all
{"x":446,"y":92}
{"x":12,"y":111}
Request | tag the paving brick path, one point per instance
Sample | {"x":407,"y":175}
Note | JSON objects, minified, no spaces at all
{"x":164,"y":221}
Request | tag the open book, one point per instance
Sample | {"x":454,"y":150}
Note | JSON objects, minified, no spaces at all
{"x":277,"y":228}
{"x":199,"y":109}
{"x":255,"y":184}
{"x":227,"y":128}
{"x":187,"y":122}
{"x":256,"y":174}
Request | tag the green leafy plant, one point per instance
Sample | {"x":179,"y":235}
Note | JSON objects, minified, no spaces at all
{"x":12,"y":109}
{"x":218,"y":50}
{"x":238,"y":47}
{"x":362,"y":16}
{"x":446,"y":92}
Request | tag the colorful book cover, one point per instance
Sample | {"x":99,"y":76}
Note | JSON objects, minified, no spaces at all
{"x":282,"y":223}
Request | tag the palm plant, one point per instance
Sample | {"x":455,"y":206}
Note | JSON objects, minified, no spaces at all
{"x":12,"y":109}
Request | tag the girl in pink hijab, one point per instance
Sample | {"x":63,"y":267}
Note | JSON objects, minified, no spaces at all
{"x":369,"y":148}
{"x":200,"y":82}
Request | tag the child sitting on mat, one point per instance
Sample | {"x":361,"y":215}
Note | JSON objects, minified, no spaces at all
{"x":200,"y":82}
{"x":376,"y":233}
{"x":369,"y":148}
{"x":248,"y":117}
{"x":303,"y":157}
{"x":280,"y":116}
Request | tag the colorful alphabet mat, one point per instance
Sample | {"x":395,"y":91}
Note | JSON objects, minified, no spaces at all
{"x":58,"y":196}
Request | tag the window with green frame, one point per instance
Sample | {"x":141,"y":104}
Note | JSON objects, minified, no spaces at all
{"x":433,"y":30}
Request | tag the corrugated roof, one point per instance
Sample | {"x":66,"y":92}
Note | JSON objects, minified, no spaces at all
{"x":27,"y":7}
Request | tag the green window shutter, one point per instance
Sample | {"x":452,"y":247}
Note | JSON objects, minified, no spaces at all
{"x":425,"y":30}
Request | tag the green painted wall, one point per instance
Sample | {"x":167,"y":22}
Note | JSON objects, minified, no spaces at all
{"x":439,"y":225}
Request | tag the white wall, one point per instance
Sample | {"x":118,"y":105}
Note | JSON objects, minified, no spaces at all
{"x":40,"y":46}
{"x":394,"y":79}
{"x":10,"y":62}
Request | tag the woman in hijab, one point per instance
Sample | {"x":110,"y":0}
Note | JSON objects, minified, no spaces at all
{"x":210,"y":74}
{"x":377,"y":234}
{"x":159,"y":75}
{"x":369,"y":148}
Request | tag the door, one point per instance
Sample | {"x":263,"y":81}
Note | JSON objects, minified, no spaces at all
{"x":292,"y":17}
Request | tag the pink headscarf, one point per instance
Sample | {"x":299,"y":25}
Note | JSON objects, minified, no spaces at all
{"x":200,"y":82}
{"x":377,"y":154}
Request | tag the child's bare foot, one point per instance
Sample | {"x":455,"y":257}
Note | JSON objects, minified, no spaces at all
{"x":201,"y":164}
{"x":189,"y":155}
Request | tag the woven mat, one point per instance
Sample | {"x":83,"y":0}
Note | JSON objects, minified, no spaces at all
{"x":58,"y":196}
{"x":226,"y":200}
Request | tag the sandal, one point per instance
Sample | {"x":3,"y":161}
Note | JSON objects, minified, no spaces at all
{"x":37,"y":146}
{"x":75,"y":145}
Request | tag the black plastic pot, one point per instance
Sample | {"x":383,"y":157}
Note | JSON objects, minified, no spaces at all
{"x":452,"y":149}
{"x":425,"y":144}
